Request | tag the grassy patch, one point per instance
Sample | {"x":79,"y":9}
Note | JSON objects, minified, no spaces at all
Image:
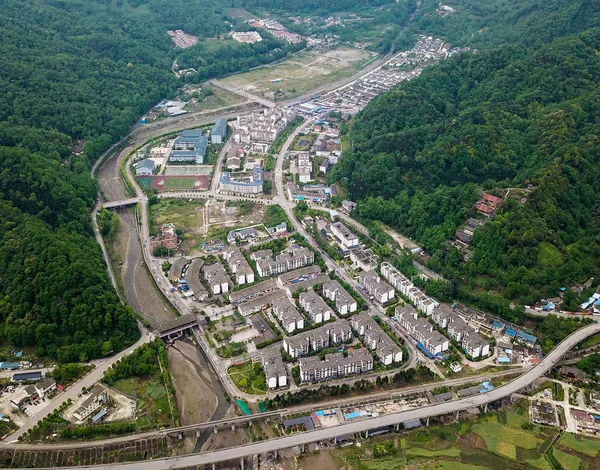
{"x":584,"y":446}
{"x":249,"y":378}
{"x":541,"y":464}
{"x":567,"y":461}
{"x":517,"y":437}
{"x":450,"y":465}
{"x":153,"y":404}
{"x":501,"y":448}
{"x":179,"y":183}
{"x":184,"y":214}
{"x":418,"y":452}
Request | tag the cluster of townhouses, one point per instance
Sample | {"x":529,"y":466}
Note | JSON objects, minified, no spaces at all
{"x":317,"y":339}
{"x":301,"y":165}
{"x":239,"y":267}
{"x":295,"y":257}
{"x":344,"y":302}
{"x":189,"y":148}
{"x":442,"y":315}
{"x":336,"y":365}
{"x":376,"y":339}
{"x":259,"y":130}
{"x":375,"y":287}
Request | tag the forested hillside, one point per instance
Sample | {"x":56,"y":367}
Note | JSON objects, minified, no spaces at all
{"x":498,"y":119}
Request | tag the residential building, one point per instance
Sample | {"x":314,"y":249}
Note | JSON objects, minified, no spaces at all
{"x":219,"y":131}
{"x":474,"y":345}
{"x":287,"y":261}
{"x":364,"y":259}
{"x":23,"y":396}
{"x":428,"y":339}
{"x":318,"y":193}
{"x":246,"y":183}
{"x":572,"y":373}
{"x":376,"y":338}
{"x":45,"y":386}
{"x":252,"y":292}
{"x":301,"y":165}
{"x":348,"y":206}
{"x":402,"y":284}
{"x":459,"y":329}
{"x":216,"y":277}
{"x":274,"y":368}
{"x":317,"y":339}
{"x":337,"y":365}
{"x":193,"y":280}
{"x":244,"y":234}
{"x":315,"y":307}
{"x":344,"y":302}
{"x":144,"y":167}
{"x":324,"y":165}
{"x":379,"y":290}
{"x":166,"y":239}
{"x":189,"y":148}
{"x":238,"y":266}
{"x":348,"y":240}
{"x":261,"y":254}
{"x":259,"y":303}
{"x":259,"y":130}
{"x":98,"y":397}
{"x":288,"y":315}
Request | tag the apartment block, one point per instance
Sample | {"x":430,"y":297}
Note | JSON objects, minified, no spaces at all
{"x":376,"y":339}
{"x":287,"y":261}
{"x":430,"y":341}
{"x":288,"y":315}
{"x":239,"y":267}
{"x":275,"y":371}
{"x":217,"y":278}
{"x":380,"y":290}
{"x":334,"y":366}
{"x":315,"y":307}
{"x":344,"y":302}
{"x":317,"y":339}
{"x":348,"y":239}
{"x":403,"y":285}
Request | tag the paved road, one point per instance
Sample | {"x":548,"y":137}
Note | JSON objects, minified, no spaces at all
{"x":73,"y":391}
{"x":235,"y":453}
{"x":249,"y":96}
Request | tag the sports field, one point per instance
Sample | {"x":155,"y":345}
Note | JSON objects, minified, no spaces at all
{"x":169,"y":183}
{"x":301,"y":73}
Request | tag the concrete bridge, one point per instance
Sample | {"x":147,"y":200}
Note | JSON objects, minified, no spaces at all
{"x":122,"y":203}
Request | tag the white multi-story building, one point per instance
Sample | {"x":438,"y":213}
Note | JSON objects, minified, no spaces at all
{"x":403,"y":285}
{"x":217,"y":278}
{"x":334,"y":366}
{"x":97,"y":398}
{"x":288,"y":315}
{"x":317,"y":339}
{"x":380,"y":290}
{"x":376,"y":339}
{"x":274,"y":368}
{"x":238,"y":266}
{"x":315,"y":306}
{"x":421,"y":330}
{"x":292,"y":259}
{"x":348,"y":240}
{"x":344,"y":302}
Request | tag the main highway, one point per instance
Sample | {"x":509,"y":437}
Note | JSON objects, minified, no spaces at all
{"x":238,"y":452}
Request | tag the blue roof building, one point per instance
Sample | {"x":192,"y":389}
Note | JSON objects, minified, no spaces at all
{"x":219,"y":131}
{"x":526,"y":338}
{"x":190,"y":148}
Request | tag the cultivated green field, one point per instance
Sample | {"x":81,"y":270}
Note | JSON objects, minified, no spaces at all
{"x":184,"y":214}
{"x":249,"y":378}
{"x":153,"y":407}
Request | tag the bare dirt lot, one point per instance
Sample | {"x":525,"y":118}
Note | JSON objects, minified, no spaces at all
{"x":322,"y":459}
{"x":227,"y":438}
{"x":301,"y":73}
{"x":195,"y":396}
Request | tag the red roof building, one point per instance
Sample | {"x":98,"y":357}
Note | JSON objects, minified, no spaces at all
{"x":485,"y":210}
{"x":494,"y":201}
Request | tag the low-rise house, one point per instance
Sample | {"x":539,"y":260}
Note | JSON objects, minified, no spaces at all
{"x":380,"y":290}
{"x":217,"y":278}
{"x":45,"y":386}
{"x":348,"y":240}
{"x":344,"y":302}
{"x":348,"y":206}
{"x":261,"y":254}
{"x":315,"y":307}
{"x":324,"y":165}
{"x":288,"y":315}
{"x":98,"y":397}
{"x":23,"y":396}
{"x":376,"y":339}
{"x":334,"y":366}
{"x":274,"y":368}
{"x":572,"y":373}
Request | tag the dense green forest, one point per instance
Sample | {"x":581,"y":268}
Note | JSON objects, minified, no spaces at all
{"x":498,"y":119}
{"x":313,"y":7}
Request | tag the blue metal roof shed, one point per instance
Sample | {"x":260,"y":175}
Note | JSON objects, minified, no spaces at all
{"x":22,"y":376}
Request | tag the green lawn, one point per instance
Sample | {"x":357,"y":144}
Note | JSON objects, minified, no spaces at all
{"x":179,"y":183}
{"x":584,"y":446}
{"x":249,"y":378}
{"x":419,"y":452}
